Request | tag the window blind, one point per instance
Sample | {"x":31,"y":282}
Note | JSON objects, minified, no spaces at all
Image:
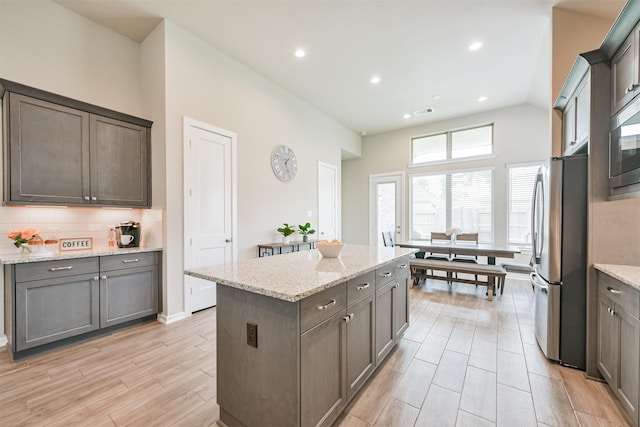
{"x":463,"y":200}
{"x":520,"y":192}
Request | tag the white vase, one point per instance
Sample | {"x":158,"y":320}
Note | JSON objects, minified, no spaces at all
{"x":285,"y":240}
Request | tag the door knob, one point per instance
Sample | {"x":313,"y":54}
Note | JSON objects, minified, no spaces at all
{"x":228,"y":240}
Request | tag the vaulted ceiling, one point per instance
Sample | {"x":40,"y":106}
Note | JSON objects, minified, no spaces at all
{"x":419,"y":49}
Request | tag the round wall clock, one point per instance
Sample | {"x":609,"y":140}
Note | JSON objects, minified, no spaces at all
{"x":284,"y":163}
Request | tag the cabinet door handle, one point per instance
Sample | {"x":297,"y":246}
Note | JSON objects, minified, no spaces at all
{"x":96,"y":278}
{"x":362,"y":287}
{"x":386,"y":274}
{"x":127,"y":261}
{"x":348,"y":317}
{"x":396,"y":286}
{"x":327,"y":305}
{"x":94,"y":199}
{"x":104,"y":277}
{"x":86,"y":198}
{"x":68,"y":267}
{"x":611,"y":311}
{"x":614,"y":291}
{"x":402,"y":266}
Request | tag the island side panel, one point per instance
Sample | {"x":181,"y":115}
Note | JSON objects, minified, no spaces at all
{"x":257,"y":386}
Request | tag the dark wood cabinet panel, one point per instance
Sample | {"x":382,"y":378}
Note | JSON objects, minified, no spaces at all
{"x":323,"y":386}
{"x":361,"y":355}
{"x":48,"y":151}
{"x":65,"y":152}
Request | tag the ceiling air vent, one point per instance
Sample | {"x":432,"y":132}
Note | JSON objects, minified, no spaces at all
{"x":423,"y":112}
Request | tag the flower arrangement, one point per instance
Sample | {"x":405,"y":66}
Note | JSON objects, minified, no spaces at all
{"x":453,"y":231}
{"x":28,"y":235}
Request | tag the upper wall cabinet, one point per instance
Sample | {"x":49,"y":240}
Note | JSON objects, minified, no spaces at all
{"x":625,"y":72}
{"x":59,"y":151}
{"x":574,"y":102}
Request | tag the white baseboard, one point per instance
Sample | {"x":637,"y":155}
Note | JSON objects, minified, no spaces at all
{"x":3,"y":340}
{"x":163,"y":318}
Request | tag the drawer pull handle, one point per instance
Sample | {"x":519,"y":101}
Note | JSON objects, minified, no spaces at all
{"x":387,"y":274}
{"x":614,"y":291}
{"x":327,"y":305}
{"x":402,"y":266}
{"x":365,"y":286}
{"x":69,"y":267}
{"x":127,"y":261}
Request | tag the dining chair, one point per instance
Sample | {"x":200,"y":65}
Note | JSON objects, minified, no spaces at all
{"x":387,"y":238}
{"x":439,"y":237}
{"x":466,"y":238}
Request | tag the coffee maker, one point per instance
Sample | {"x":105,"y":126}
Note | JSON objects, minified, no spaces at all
{"x":128,"y":234}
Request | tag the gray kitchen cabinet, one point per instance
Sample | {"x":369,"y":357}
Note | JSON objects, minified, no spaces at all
{"x":576,"y":118}
{"x":48,"y":152}
{"x":625,"y":72}
{"x":54,"y":300}
{"x":128,"y":287}
{"x":54,"y":303}
{"x":618,"y":347}
{"x":309,"y":358}
{"x":66,"y":152}
{"x":384,"y":321}
{"x":323,"y":379}
{"x":392,"y":306}
{"x":361,"y":355}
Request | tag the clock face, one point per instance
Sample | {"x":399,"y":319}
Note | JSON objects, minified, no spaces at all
{"x":284,"y":163}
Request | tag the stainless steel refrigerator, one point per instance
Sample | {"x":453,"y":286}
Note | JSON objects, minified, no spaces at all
{"x":559,"y":236}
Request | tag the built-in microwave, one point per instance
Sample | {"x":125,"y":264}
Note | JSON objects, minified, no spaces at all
{"x":624,"y":152}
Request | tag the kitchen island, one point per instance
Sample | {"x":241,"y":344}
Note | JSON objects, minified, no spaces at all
{"x":299,"y":334}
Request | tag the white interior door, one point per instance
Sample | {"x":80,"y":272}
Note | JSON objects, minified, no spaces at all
{"x":327,"y":202}
{"x":209,"y":207}
{"x":386,"y":207}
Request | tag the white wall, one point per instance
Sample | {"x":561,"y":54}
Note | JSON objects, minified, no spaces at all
{"x":170,"y":75}
{"x":521,"y":134}
{"x":206,"y":85}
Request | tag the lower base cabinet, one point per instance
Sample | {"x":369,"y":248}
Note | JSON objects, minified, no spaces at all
{"x":304,"y":378}
{"x":618,"y":344}
{"x":50,"y":301}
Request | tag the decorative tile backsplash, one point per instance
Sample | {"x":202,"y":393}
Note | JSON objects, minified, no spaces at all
{"x":78,"y":222}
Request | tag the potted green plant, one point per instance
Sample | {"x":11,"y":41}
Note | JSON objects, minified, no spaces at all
{"x":304,"y":231}
{"x":286,"y":231}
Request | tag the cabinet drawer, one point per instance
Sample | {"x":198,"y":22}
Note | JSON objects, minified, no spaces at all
{"x":59,"y":268}
{"x":402,"y":267}
{"x":620,"y":293}
{"x":385,"y":274}
{"x":117,"y":262}
{"x":322,"y":306}
{"x":360,"y":287}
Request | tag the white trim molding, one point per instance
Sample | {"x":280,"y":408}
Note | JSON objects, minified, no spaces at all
{"x":172,"y":318}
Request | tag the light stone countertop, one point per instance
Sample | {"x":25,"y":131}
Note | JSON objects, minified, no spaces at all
{"x":297,"y":275}
{"x":17,"y":258}
{"x":629,"y":274}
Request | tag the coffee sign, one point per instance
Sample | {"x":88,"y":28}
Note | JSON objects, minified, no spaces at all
{"x":82,"y":243}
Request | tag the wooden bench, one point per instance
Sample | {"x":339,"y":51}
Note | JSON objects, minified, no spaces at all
{"x":493,"y":273}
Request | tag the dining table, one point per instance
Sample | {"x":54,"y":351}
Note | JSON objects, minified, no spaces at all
{"x":489,"y":250}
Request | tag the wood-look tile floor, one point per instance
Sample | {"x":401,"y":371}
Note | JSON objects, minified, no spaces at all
{"x":464,"y":361}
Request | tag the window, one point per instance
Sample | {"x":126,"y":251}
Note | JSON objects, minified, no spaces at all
{"x":463,"y":200}
{"x":457,"y":144}
{"x":520,"y":181}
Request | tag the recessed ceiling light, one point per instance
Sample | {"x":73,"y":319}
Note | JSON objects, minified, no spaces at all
{"x":375,"y":79}
{"x":482,"y":99}
{"x":407,"y":116}
{"x":475,"y":46}
{"x":435,"y":97}
{"x":300,"y":53}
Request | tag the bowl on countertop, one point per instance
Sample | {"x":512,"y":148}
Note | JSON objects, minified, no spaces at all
{"x":329,"y":249}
